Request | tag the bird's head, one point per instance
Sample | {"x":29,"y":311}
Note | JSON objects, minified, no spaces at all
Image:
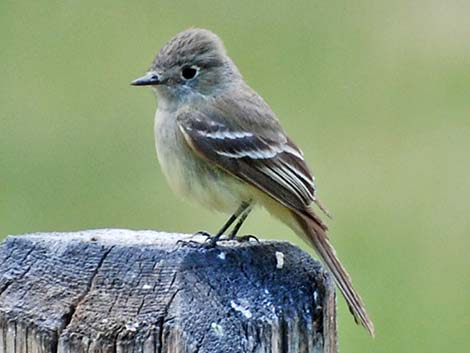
{"x":192,"y":63}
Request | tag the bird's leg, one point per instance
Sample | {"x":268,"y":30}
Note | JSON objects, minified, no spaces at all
{"x":211,"y":240}
{"x":214,"y":239}
{"x":233,"y":234}
{"x":222,"y":230}
{"x":242,"y":219}
{"x":217,"y":236}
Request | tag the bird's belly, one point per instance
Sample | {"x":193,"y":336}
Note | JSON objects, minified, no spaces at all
{"x":192,"y":177}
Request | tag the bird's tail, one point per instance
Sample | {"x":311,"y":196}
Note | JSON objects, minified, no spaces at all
{"x":314,"y":232}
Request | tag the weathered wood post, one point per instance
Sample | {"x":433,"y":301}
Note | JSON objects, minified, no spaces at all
{"x":140,"y":291}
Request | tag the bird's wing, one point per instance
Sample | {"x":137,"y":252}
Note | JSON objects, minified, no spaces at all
{"x":243,"y":137}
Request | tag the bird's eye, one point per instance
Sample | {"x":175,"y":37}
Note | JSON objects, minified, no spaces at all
{"x":189,"y":72}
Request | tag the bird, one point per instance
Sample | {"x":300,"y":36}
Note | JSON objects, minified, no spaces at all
{"x":221,"y":145}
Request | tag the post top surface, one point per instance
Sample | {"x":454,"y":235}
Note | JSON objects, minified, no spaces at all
{"x":125,"y":237}
{"x":125,"y":288}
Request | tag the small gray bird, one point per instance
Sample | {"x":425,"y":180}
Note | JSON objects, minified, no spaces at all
{"x":220,"y":144}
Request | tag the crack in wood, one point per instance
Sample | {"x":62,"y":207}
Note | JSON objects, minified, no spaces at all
{"x":114,"y":295}
{"x":73,"y":308}
{"x":20,"y":276}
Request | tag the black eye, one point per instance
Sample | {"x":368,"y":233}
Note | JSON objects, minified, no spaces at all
{"x":189,"y":72}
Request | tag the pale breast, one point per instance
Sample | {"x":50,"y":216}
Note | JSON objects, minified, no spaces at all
{"x":190,"y":176}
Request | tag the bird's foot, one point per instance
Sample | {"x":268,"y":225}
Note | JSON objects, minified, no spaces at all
{"x":212,"y":240}
{"x":194,"y":243}
{"x":202,"y":233}
{"x":245,"y":238}
{"x":209,"y":242}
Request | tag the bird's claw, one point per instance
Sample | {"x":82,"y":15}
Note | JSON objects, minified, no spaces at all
{"x":212,"y":240}
{"x":202,"y":233}
{"x":246,"y":238}
{"x":209,"y":242}
{"x":194,"y":243}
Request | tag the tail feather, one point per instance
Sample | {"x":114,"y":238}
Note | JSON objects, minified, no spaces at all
{"x":315,"y":235}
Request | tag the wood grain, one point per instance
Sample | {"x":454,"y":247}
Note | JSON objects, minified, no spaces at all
{"x":122,"y":291}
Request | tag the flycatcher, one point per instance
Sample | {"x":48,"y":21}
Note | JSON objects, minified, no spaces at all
{"x":220,"y":144}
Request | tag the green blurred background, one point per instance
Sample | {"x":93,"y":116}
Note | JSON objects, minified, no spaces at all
{"x":377,"y":94}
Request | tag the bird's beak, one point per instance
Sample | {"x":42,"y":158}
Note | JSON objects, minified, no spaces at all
{"x":150,"y":78}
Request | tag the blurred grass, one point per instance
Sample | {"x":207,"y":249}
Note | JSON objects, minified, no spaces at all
{"x":376,"y":93}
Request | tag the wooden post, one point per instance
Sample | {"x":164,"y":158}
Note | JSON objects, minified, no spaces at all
{"x":141,"y":291}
